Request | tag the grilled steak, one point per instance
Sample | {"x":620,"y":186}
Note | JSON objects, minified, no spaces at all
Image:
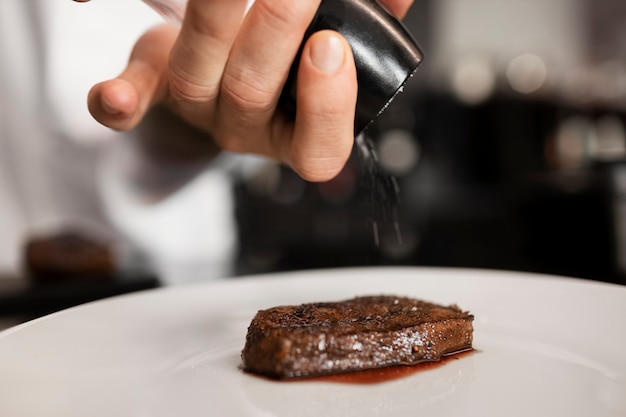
{"x":357,"y":334}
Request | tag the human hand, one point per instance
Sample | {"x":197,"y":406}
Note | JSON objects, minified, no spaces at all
{"x":224,"y":74}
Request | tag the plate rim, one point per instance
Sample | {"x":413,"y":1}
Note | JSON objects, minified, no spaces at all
{"x":326,"y":273}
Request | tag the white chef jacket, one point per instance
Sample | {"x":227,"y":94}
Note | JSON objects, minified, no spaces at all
{"x":58,"y":167}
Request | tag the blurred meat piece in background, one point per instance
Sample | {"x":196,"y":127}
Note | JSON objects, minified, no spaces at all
{"x":67,"y":256}
{"x":66,"y":268}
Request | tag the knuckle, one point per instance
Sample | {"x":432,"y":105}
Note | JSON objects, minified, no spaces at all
{"x":185,"y":87}
{"x":247,"y":93}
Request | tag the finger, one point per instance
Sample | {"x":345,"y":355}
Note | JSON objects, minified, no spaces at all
{"x":122,"y":102}
{"x":398,"y":8}
{"x":327,"y":90}
{"x":201,"y":52}
{"x":258,"y":67}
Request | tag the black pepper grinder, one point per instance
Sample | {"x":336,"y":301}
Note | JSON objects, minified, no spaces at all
{"x":385,"y":53}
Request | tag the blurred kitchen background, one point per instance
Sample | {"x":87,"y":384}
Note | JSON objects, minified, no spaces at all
{"x":508,"y":148}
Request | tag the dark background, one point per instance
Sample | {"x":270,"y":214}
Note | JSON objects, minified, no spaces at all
{"x":515,"y":181}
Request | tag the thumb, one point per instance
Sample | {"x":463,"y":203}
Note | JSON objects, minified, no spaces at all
{"x":121,"y":103}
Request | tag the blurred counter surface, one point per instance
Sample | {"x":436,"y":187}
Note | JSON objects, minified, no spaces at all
{"x":22,"y":300}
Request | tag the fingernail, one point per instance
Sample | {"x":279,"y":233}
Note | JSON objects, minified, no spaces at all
{"x":327,"y":53}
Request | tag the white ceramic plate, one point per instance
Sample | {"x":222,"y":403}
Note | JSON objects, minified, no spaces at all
{"x":546,"y":346}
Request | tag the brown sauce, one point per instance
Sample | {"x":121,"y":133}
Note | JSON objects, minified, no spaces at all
{"x":389,"y":373}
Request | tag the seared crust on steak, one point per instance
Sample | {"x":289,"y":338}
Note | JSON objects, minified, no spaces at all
{"x":351,"y":335}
